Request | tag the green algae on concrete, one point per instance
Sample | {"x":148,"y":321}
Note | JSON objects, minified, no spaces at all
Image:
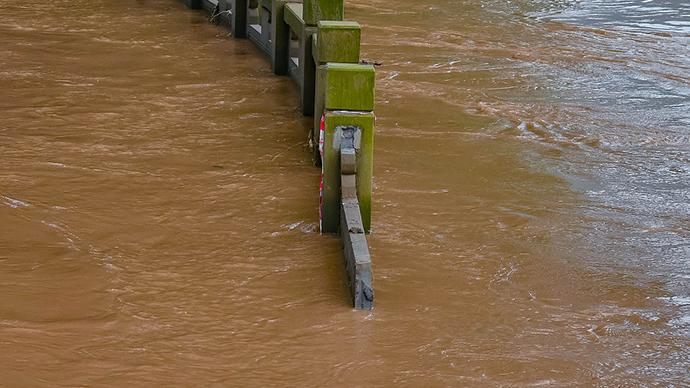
{"x":349,"y":87}
{"x":338,"y":41}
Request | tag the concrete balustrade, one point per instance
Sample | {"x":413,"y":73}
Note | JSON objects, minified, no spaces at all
{"x":309,"y":41}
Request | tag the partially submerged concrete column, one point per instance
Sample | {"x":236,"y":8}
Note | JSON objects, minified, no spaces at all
{"x":344,"y":97}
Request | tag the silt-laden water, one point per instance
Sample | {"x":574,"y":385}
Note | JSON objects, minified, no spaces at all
{"x":158,"y":208}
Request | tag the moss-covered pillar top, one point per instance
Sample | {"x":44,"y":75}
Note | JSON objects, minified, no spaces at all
{"x":349,"y":86}
{"x":338,"y":41}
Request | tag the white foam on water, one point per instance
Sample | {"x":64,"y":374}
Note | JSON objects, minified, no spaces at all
{"x":14,"y":203}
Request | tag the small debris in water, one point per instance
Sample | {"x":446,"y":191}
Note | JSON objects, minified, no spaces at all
{"x":370,"y":62}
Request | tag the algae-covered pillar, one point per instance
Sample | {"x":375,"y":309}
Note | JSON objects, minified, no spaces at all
{"x":344,"y":97}
{"x":344,"y":125}
{"x":346,"y":92}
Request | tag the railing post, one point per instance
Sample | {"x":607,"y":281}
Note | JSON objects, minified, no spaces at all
{"x":281,"y":39}
{"x":193,"y":4}
{"x":306,"y":60}
{"x":239,"y":18}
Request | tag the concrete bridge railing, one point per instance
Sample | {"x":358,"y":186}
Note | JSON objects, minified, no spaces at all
{"x":309,"y":41}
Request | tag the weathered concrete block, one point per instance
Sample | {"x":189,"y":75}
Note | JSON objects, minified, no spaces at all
{"x":315,"y":10}
{"x":349,"y":86}
{"x":338,"y":41}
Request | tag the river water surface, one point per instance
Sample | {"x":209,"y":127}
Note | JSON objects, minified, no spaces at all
{"x":158,"y":208}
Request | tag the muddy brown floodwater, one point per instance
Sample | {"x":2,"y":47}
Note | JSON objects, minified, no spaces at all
{"x":158,"y":208}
